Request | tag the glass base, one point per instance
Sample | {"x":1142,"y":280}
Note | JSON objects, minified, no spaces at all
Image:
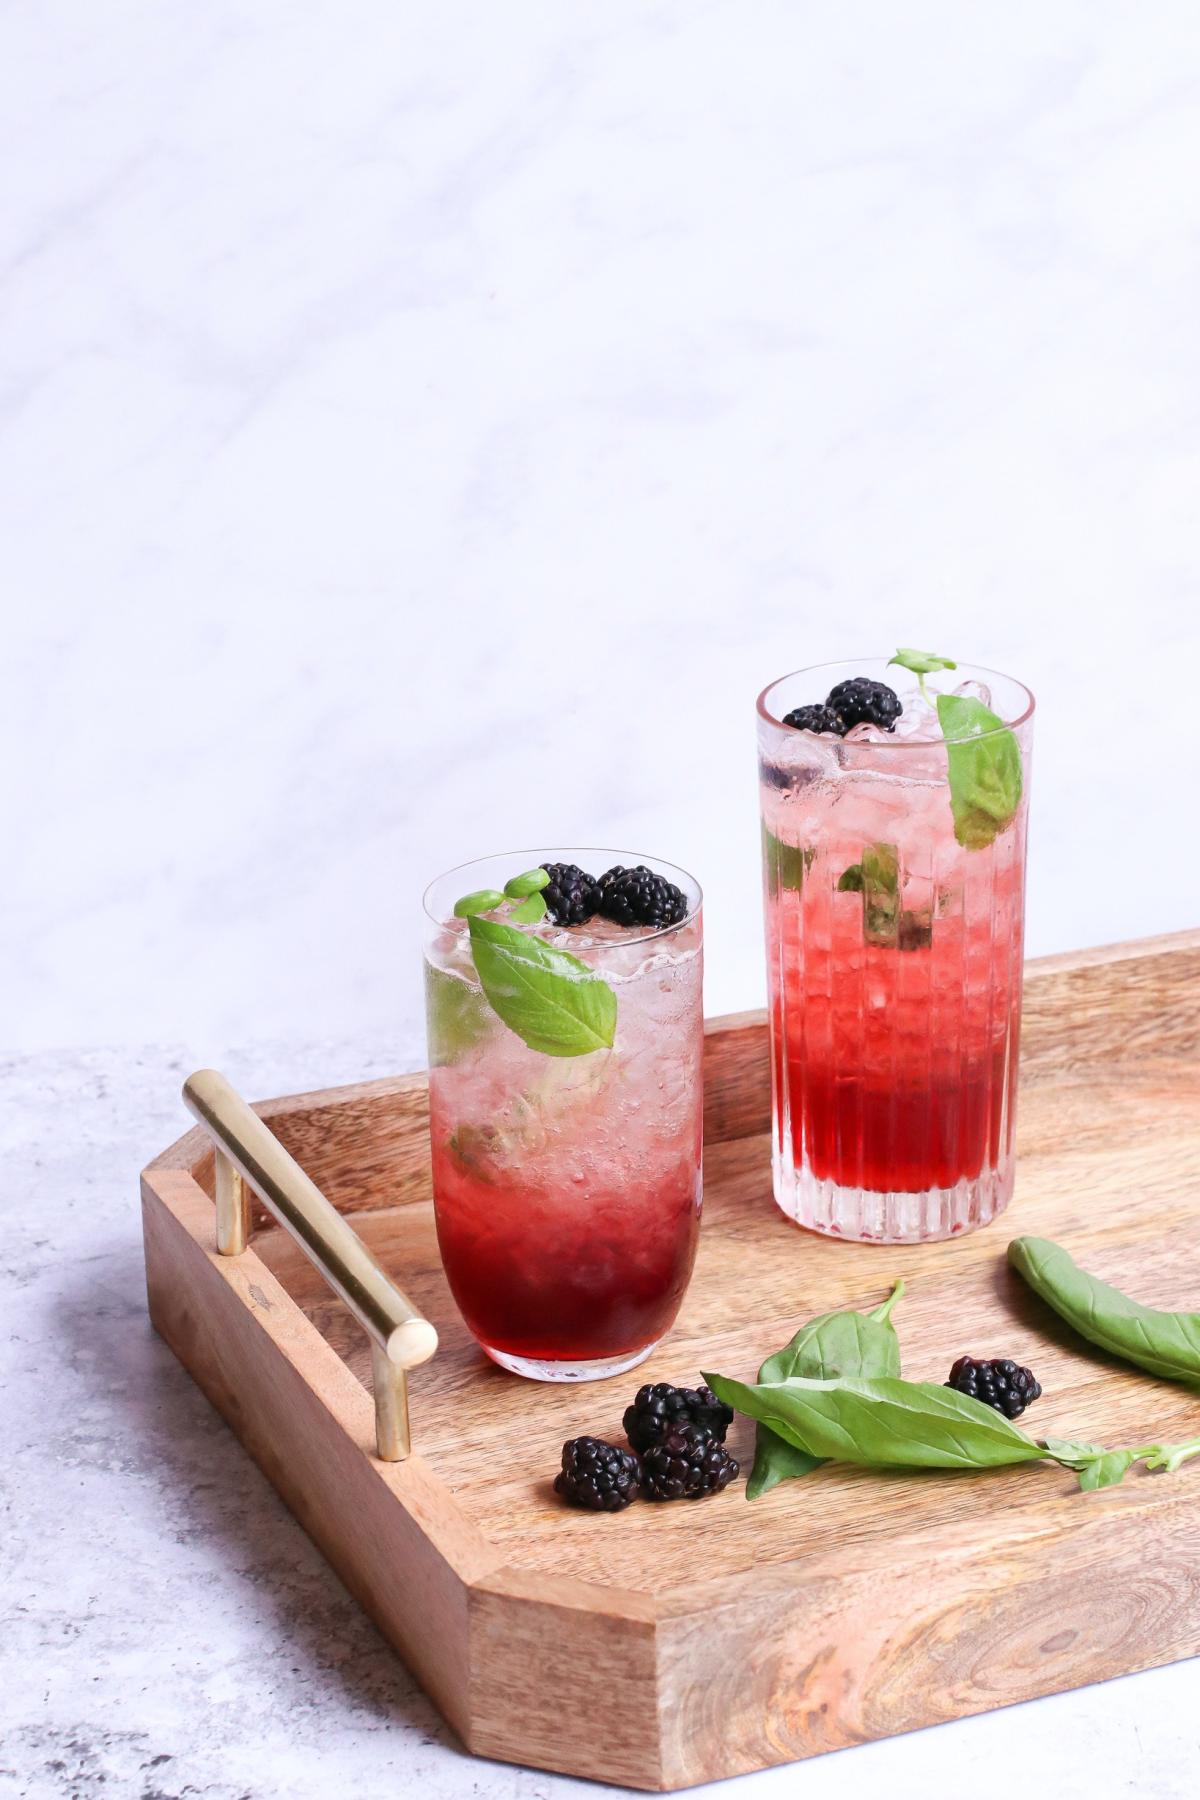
{"x":536,"y":1368}
{"x":867,"y":1216}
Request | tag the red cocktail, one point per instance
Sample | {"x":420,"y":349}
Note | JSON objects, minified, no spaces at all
{"x":894,"y":883}
{"x":567,"y":1186}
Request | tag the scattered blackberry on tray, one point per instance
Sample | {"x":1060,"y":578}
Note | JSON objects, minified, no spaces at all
{"x":816,"y":718}
{"x":659,"y":1409}
{"x":572,"y":896}
{"x":596,"y":1475}
{"x":865,"y":702}
{"x":1001,"y":1383}
{"x":640,"y":897}
{"x":687,"y":1465}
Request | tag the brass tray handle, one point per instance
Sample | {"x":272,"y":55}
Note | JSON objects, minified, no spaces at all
{"x":248,"y":1154}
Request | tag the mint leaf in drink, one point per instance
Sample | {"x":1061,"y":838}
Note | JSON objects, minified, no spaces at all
{"x":985,"y":769}
{"x":553,"y":1002}
{"x":521,"y":886}
{"x":482,"y":900}
{"x":531,"y":909}
{"x":786,"y":865}
{"x":833,"y":1344}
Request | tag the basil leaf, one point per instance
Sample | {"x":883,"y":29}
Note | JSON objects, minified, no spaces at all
{"x":1165,"y":1343}
{"x":521,"y":886}
{"x":785,"y":865}
{"x":984,"y":768}
{"x":884,"y":1423}
{"x":531,"y":909}
{"x":482,"y":900}
{"x":553,"y":1002}
{"x":833,"y":1344}
{"x":456,"y":1016}
{"x":921,"y":662}
{"x":877,"y":879}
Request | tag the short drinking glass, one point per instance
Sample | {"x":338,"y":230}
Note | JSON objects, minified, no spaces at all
{"x":894,"y":877}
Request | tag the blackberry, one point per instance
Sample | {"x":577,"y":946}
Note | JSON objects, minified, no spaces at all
{"x":816,"y":718}
{"x":640,"y":897}
{"x":1000,"y":1383}
{"x":596,"y":1475}
{"x":865,"y":702}
{"x":687,"y":1465}
{"x":658,"y":1409}
{"x":571,"y":894}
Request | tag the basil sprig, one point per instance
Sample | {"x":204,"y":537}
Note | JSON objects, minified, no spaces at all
{"x":831,"y":1345}
{"x":553,"y":1002}
{"x":883,"y":1422}
{"x":984,"y":769}
{"x":921,"y":663}
{"x":887,"y":1423}
{"x":1100,"y":1468}
{"x":1165,"y":1343}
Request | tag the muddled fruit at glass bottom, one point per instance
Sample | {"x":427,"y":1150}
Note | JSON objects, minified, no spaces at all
{"x":895,"y":1131}
{"x":565,"y":1277}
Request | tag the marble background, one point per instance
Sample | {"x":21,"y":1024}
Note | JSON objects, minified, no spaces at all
{"x":422,"y":432}
{"x":425,"y":430}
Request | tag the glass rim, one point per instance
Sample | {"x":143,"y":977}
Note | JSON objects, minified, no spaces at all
{"x":974,"y":669}
{"x":533,"y":859}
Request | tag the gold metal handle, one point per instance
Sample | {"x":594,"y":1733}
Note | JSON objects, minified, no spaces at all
{"x":249,"y":1154}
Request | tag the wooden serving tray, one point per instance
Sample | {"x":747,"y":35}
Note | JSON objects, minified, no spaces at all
{"x":672,"y":1644}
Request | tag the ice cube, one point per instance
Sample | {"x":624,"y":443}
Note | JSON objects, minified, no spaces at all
{"x":975,"y":690}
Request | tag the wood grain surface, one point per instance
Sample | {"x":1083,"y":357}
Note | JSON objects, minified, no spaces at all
{"x":725,"y":1636}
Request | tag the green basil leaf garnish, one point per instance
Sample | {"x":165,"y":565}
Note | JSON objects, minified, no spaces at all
{"x":921,"y":662}
{"x":457,"y":1016}
{"x":877,"y":879}
{"x":984,"y":767}
{"x":786,"y":865}
{"x":884,"y":1422}
{"x":531,"y":909}
{"x":519,"y":887}
{"x":553,"y":1002}
{"x":1165,"y":1343}
{"x":482,"y":900}
{"x":834,"y":1344}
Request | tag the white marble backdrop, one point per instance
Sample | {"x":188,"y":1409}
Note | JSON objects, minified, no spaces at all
{"x":422,"y":431}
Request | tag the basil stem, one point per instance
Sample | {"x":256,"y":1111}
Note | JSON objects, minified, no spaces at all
{"x":1165,"y":1343}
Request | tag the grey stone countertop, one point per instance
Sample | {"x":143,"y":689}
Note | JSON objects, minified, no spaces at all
{"x":168,"y":1629}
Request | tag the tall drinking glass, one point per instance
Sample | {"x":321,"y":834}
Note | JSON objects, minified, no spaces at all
{"x":894,"y":877}
{"x":567,"y":1188}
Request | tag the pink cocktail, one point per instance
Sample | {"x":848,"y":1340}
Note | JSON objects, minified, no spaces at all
{"x":894,"y":871}
{"x":567,"y":1188}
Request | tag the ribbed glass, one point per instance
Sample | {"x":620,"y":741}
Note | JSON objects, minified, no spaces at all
{"x":894,"y":960}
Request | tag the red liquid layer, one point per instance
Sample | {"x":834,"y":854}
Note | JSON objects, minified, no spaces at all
{"x":893,"y":1133}
{"x":566,"y":1277}
{"x":896,"y":1070}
